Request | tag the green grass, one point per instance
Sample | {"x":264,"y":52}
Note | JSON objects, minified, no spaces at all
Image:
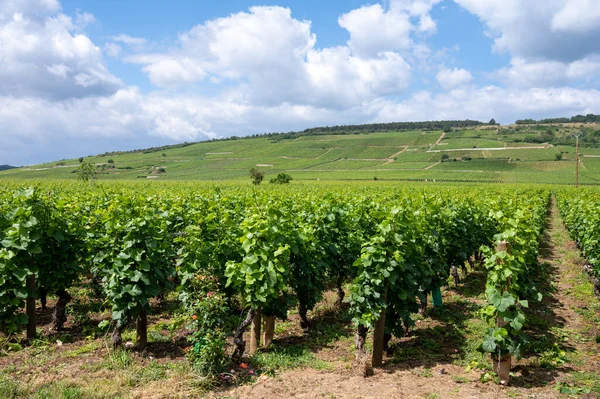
{"x":279,"y":358}
{"x":382,"y":155}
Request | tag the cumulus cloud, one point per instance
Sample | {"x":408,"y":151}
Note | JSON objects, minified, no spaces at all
{"x":552,"y":43}
{"x":577,"y":16}
{"x":374,"y":29}
{"x":41,"y":54}
{"x":451,"y":78}
{"x":274,"y":58}
{"x":28,"y":7}
{"x":547,"y":73}
{"x":562,"y":30}
{"x":484,"y":103}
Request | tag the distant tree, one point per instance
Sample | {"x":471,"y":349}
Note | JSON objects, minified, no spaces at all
{"x":110,"y":161}
{"x":492,"y":122}
{"x":445,"y":157}
{"x":80,"y":159}
{"x":257,"y":176}
{"x":282,"y":178}
{"x":558,"y":156}
{"x":87,"y":171}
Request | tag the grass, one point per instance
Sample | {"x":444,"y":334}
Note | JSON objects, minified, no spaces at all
{"x":382,"y":155}
{"x":280,"y":358}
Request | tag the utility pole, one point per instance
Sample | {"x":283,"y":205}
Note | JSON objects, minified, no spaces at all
{"x":577,"y":159}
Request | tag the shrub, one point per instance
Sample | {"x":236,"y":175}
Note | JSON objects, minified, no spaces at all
{"x":282,"y":178}
{"x":257,"y":176}
{"x":207,"y":307}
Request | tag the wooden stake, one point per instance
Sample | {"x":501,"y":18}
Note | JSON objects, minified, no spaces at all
{"x":378,"y":335}
{"x":30,"y":306}
{"x":255,"y":332}
{"x":269,"y":330}
{"x":141,"y":326}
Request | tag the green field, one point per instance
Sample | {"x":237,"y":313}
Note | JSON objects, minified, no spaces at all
{"x":485,"y":154}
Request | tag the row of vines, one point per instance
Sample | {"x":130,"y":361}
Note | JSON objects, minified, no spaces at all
{"x":581,"y":212}
{"x":224,"y":251}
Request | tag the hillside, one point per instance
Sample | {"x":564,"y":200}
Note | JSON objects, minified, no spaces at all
{"x":541,"y":153}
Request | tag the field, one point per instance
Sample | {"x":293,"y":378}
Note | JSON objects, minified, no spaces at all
{"x":507,"y":154}
{"x":150,"y":288}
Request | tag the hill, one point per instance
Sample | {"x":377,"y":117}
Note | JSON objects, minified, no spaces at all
{"x":540,"y":153}
{"x":7,"y":167}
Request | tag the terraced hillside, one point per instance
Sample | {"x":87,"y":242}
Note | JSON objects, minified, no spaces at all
{"x":536,"y":153}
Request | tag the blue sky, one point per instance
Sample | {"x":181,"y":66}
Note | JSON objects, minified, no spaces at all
{"x":84,"y":77}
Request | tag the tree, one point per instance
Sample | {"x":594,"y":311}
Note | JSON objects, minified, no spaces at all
{"x":558,"y":156}
{"x":282,"y":178}
{"x":87,"y":171}
{"x":257,"y":176}
{"x":492,"y":122}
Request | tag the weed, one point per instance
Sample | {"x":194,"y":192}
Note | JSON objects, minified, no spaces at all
{"x":119,"y":359}
{"x":10,"y":388}
{"x":91,"y":347}
{"x":58,"y":390}
{"x":553,"y":358}
{"x":286,"y":358}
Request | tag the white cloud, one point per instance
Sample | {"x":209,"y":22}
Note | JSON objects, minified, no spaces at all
{"x":336,"y":78}
{"x":451,"y":78}
{"x":552,"y":43}
{"x":129,"y":40}
{"x":484,"y":103}
{"x":112,"y":49}
{"x":41,"y":55}
{"x":374,"y":29}
{"x":523,"y":73}
{"x":273,"y":59}
{"x":562,"y":30}
{"x":27,"y":7}
{"x":577,"y":16}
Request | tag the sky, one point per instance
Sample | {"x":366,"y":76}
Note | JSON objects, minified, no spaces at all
{"x":79,"y":78}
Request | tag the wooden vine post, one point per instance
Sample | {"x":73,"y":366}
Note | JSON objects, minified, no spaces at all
{"x":502,"y":365}
{"x":255,"y":332}
{"x":268,"y":330}
{"x":378,"y":335}
{"x":142,"y":328}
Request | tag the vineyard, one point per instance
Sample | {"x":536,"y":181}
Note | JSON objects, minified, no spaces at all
{"x":234,"y":265}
